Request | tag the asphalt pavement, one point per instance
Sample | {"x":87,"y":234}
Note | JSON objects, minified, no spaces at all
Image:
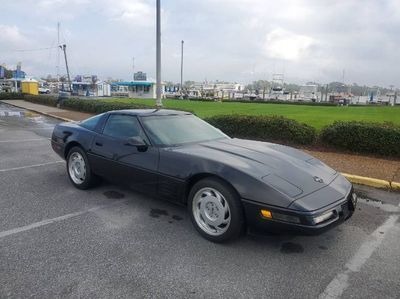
{"x":110,"y":242}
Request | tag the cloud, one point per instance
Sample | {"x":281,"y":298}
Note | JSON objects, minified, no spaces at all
{"x":11,"y":37}
{"x":235,"y":40}
{"x":283,"y":44}
{"x":130,"y":12}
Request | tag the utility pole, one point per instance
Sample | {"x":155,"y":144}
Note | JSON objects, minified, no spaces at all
{"x":64,"y":48}
{"x":182,"y":69}
{"x":158,"y":54}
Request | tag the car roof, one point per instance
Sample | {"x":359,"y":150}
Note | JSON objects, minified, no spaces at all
{"x":150,"y":112}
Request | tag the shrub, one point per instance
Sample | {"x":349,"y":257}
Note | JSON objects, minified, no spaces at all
{"x":363,"y":137}
{"x":41,"y":99}
{"x":265,"y":128}
{"x":11,"y":96}
{"x":97,"y":106}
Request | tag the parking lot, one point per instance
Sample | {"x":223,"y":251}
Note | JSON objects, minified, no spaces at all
{"x":57,"y":241}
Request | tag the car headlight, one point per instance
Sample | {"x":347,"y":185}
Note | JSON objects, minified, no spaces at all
{"x":323,"y":217}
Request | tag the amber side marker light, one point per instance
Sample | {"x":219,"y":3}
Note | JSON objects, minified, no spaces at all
{"x":266,"y":214}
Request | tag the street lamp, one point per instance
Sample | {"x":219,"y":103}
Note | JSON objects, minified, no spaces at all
{"x":158,"y":54}
{"x":182,"y":69}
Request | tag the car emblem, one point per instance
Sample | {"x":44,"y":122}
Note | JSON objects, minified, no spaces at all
{"x":318,"y":179}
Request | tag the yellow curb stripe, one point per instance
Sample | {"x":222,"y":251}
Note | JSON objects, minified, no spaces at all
{"x":395,"y":186}
{"x":377,"y":183}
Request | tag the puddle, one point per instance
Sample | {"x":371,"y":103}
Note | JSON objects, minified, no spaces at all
{"x":25,"y":117}
{"x":12,"y":113}
{"x":31,"y":114}
{"x":380,"y":205}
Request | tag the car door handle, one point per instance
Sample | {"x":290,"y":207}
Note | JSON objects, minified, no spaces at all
{"x":98,"y":144}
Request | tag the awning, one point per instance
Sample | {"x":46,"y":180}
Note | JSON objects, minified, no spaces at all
{"x":132,"y":83}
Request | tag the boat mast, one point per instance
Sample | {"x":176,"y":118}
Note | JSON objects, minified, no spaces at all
{"x":58,"y":52}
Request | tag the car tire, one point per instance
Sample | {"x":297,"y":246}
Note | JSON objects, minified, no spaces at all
{"x":215,"y":210}
{"x":78,"y":169}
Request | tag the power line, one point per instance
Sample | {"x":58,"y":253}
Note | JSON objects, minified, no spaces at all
{"x":33,"y":50}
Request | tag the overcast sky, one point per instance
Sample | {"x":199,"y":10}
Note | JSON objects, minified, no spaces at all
{"x":228,"y":40}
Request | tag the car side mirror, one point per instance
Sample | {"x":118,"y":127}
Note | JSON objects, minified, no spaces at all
{"x":138,"y":142}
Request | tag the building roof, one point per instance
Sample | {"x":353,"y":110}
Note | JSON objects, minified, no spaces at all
{"x":133,"y":83}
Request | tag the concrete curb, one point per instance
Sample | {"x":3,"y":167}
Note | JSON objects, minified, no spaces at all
{"x":40,"y":112}
{"x":376,"y":183}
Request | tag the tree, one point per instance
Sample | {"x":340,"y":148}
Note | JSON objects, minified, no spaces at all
{"x":8,"y":74}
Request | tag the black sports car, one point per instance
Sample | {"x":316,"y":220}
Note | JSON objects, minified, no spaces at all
{"x":226,"y":183}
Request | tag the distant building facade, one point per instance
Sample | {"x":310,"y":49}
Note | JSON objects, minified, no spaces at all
{"x":140,"y":87}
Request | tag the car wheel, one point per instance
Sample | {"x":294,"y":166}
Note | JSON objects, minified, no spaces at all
{"x":78,"y":169}
{"x":215,"y":210}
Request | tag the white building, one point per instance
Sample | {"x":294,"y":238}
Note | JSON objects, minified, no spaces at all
{"x":140,"y":87}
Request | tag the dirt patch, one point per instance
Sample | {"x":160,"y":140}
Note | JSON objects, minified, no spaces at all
{"x":360,"y":165}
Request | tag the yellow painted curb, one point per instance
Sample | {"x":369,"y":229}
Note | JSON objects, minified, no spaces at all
{"x":377,"y":183}
{"x":395,"y":186}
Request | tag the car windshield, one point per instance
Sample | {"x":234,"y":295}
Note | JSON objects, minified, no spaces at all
{"x":179,"y":129}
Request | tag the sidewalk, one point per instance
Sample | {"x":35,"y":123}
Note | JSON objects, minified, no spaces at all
{"x":371,"y":167}
{"x":62,"y":114}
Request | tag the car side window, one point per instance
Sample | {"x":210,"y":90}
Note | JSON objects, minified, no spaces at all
{"x":123,"y":126}
{"x":91,"y":123}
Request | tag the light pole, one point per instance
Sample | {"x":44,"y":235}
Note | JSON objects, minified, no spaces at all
{"x":182,"y":69}
{"x":158,"y":54}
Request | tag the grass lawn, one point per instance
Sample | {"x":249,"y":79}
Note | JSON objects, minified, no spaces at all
{"x":316,"y":116}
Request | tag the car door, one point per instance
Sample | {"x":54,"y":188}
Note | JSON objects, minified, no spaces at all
{"x":122,"y":162}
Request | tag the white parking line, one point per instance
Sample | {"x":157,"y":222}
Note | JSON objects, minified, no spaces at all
{"x":340,"y":283}
{"x":56,"y":219}
{"x":24,"y":140}
{"x":30,"y":166}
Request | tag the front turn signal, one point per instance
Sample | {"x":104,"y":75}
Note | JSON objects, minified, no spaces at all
{"x":266,"y":214}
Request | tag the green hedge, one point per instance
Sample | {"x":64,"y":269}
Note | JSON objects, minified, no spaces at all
{"x":41,"y":99}
{"x":86,"y":105}
{"x":11,"y":96}
{"x":97,"y":106}
{"x":363,"y":137}
{"x":83,"y":105}
{"x":266,"y":128}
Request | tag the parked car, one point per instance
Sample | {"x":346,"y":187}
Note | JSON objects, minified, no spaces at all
{"x":227,"y":184}
{"x":44,"y":90}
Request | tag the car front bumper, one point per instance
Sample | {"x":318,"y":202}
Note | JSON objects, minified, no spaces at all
{"x":303,"y":222}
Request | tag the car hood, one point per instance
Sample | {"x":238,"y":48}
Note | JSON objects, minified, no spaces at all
{"x":286,"y":169}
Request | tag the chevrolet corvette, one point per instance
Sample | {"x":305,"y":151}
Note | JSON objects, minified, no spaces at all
{"x":227,"y":184}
